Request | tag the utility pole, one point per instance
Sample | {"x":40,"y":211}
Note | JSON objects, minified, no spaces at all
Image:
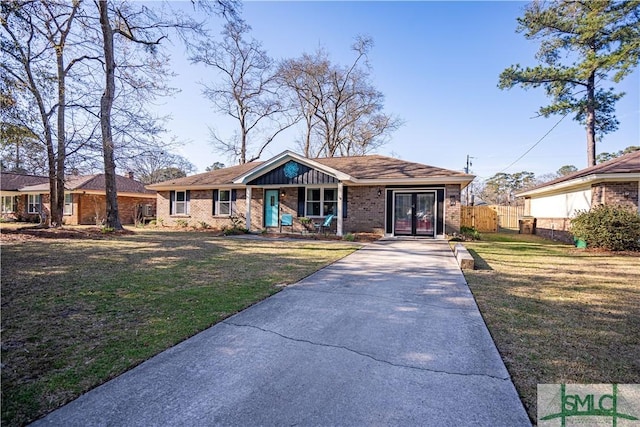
{"x":466,"y":170}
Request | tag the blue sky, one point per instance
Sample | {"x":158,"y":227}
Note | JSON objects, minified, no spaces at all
{"x":437,"y":64}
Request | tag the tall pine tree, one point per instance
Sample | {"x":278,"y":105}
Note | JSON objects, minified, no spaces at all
{"x":584,"y":45}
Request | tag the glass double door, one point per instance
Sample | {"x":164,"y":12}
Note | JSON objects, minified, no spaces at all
{"x":414,"y":214}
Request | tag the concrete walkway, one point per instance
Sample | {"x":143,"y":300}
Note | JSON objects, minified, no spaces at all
{"x":390,"y":335}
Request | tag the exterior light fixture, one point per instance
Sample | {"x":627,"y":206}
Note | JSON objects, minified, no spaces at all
{"x":379,"y":192}
{"x":452,"y":200}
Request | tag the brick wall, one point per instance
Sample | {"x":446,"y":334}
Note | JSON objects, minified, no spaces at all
{"x":554,"y":229}
{"x":615,"y":193}
{"x":365,"y":210}
{"x":127,"y":207}
{"x":201,"y":210}
{"x":22,"y":207}
{"x":90,"y":209}
{"x":452,"y":212}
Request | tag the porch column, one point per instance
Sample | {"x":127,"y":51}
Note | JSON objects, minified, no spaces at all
{"x":248,"y":213}
{"x":339,"y":225}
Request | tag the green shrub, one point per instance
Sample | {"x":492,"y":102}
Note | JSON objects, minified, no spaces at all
{"x":469,"y":233}
{"x":610,"y":227}
{"x":183,"y":223}
{"x":236,"y":226}
{"x":349,"y":237}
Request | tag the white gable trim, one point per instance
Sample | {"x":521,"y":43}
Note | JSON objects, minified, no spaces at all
{"x":283,"y":158}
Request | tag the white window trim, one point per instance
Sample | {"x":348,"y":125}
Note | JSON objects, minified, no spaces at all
{"x":35,"y":197}
{"x":69,"y":205}
{"x":176,"y":202}
{"x":322,"y":201}
{"x":11,"y":205}
{"x":218,"y":203}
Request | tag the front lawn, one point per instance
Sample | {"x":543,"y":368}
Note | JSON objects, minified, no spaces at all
{"x":77,"y":312}
{"x":558,"y":314}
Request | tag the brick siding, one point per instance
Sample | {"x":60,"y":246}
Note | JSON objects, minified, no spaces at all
{"x":615,"y":193}
{"x":365,"y":210}
{"x":201,"y":210}
{"x":554,"y":229}
{"x":452,"y":212}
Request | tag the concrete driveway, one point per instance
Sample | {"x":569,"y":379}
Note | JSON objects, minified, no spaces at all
{"x":390,"y":335}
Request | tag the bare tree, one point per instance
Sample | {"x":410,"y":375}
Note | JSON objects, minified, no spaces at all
{"x":248,"y":93}
{"x":36,"y":40}
{"x":20,"y":149}
{"x":116,"y":71}
{"x":342,"y":110}
{"x":135,"y":32}
{"x":106,"y":103}
{"x":160,"y":165}
{"x":306,"y":78}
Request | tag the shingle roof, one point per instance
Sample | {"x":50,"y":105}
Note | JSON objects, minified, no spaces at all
{"x":224,"y":176}
{"x":14,"y":181}
{"x":628,"y":163}
{"x":95,"y":183}
{"x":358,"y":167}
{"x":382,"y":167}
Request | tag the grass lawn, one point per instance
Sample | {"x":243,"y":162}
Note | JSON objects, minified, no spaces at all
{"x":558,"y":314}
{"x":78,"y":312}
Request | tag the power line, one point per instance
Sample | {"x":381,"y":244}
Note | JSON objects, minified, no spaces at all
{"x":534,"y":145}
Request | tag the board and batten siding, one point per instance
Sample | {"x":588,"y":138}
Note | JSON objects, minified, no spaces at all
{"x":563,"y":205}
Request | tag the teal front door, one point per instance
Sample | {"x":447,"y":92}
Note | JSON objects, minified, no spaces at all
{"x":271,"y":205}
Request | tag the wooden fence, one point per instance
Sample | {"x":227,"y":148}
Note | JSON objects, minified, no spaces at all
{"x":482,"y":218}
{"x":490,"y":218}
{"x":508,"y":216}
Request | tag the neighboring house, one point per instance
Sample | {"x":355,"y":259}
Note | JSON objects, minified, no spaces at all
{"x":553,"y":204}
{"x":365,"y":194}
{"x":23,"y":196}
{"x":14,"y":204}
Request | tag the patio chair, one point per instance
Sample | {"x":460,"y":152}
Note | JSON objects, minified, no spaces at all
{"x":326,"y":224}
{"x":286,"y":220}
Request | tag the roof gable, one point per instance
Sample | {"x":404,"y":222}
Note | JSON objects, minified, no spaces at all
{"x":281,"y":160}
{"x":294,"y":173}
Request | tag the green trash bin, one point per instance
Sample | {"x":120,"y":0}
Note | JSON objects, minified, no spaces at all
{"x":581,"y":243}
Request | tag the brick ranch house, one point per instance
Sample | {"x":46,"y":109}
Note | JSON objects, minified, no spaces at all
{"x":21,"y":197}
{"x":553,"y":204}
{"x":365,"y":193}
